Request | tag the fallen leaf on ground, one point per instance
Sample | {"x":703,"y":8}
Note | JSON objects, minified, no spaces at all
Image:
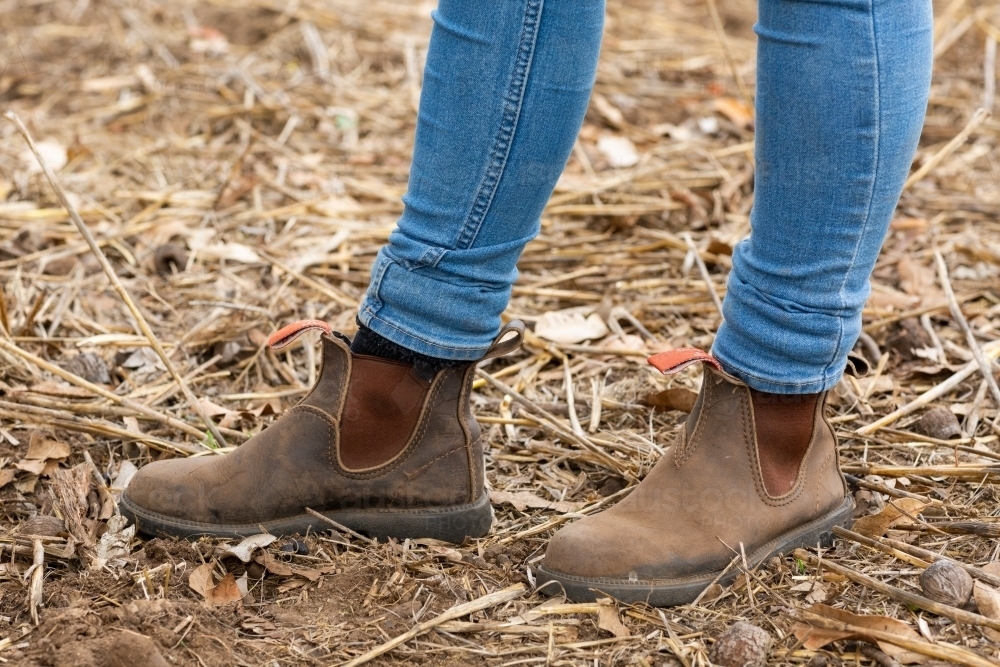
{"x":988,"y":601}
{"x":200,"y":579}
{"x":813,"y":638}
{"x":53,"y":152}
{"x":620,"y":152}
{"x":735,"y":110}
{"x":216,"y":595}
{"x":522,"y":500}
{"x":876,"y":525}
{"x":570,"y":326}
{"x":915,"y":278}
{"x":245,"y":549}
{"x":675,"y":398}
{"x":608,"y":619}
{"x":115,"y":543}
{"x":26,"y":484}
{"x":225,"y":592}
{"x":273,"y":565}
{"x":43,"y":455}
{"x":6,"y":476}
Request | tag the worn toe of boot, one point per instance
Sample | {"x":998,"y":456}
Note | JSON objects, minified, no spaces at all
{"x":165,"y":485}
{"x":702,"y":506}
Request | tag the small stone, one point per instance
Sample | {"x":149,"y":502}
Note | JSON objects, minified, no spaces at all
{"x":947,"y":583}
{"x":940,"y":423}
{"x":742,"y":645}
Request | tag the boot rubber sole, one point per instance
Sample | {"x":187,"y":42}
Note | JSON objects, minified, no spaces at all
{"x":669,"y":592}
{"x":449,"y":524}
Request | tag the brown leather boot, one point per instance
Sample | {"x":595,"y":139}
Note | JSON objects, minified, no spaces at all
{"x":373,"y":446}
{"x":705,"y":498}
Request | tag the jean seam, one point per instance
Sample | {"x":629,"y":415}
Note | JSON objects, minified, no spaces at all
{"x":513,"y":99}
{"x":381,"y":267}
{"x":871,"y":194}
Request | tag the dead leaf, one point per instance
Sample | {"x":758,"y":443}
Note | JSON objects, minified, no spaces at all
{"x":620,"y":152}
{"x":200,"y":579}
{"x":570,"y":326}
{"x":884,"y":297}
{"x":53,"y":152}
{"x":28,"y":465}
{"x":41,"y":448}
{"x":813,"y":638}
{"x":26,"y":484}
{"x":213,"y":409}
{"x":273,"y":565}
{"x":992,"y":567}
{"x":628,"y":342}
{"x":816,"y":592}
{"x":244,"y":550}
{"x":988,"y":601}
{"x":675,"y":398}
{"x":116,"y":542}
{"x":916,"y":279}
{"x":525,"y":499}
{"x":876,"y":525}
{"x":225,"y":592}
{"x":608,"y":619}
{"x":737,"y":111}
{"x":6,"y":476}
{"x":719,"y":247}
{"x":453,"y":555}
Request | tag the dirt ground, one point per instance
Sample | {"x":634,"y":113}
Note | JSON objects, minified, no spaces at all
{"x":240,"y":164}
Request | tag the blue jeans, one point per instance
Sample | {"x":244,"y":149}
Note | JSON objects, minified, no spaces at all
{"x":842,"y":87}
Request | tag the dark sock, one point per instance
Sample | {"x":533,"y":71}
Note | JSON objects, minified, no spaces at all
{"x":369,"y":343}
{"x":784,"y":430}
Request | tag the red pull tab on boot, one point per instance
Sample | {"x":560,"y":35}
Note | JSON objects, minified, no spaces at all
{"x":286,"y":335}
{"x":674,"y":361}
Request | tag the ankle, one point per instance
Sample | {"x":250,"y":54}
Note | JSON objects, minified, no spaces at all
{"x":784,"y":425}
{"x":367,"y":342}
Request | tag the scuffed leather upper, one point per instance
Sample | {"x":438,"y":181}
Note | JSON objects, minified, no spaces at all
{"x":297,"y":462}
{"x":705,"y":493}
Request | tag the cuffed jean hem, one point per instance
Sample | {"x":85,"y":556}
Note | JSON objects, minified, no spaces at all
{"x":427,"y":313}
{"x":400,"y":336}
{"x":810,"y":386}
